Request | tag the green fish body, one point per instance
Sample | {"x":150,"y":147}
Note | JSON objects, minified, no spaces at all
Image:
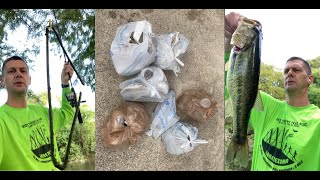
{"x":242,"y":84}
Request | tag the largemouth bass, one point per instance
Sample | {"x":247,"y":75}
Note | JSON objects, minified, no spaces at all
{"x":242,"y":83}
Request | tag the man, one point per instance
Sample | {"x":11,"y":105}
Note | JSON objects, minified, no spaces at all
{"x":24,"y":128}
{"x":286,"y":133}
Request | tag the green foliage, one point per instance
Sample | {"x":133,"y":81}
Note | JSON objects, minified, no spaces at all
{"x":271,"y":81}
{"x":314,"y":94}
{"x":83,"y":138}
{"x":41,"y":99}
{"x":314,"y":89}
{"x":76,"y":28}
{"x":314,"y":63}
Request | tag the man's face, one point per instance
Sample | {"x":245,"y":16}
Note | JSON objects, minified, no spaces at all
{"x":16,"y":77}
{"x":295,"y":76}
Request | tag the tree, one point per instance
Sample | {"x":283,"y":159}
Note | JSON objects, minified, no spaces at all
{"x":271,"y":81}
{"x":83,"y":139}
{"x":41,"y":99}
{"x":314,"y":89}
{"x":76,"y":28}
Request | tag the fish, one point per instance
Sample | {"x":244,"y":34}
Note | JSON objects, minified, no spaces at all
{"x":242,"y":85}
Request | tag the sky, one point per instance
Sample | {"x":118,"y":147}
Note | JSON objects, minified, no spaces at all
{"x":286,"y":33}
{"x":39,"y":74}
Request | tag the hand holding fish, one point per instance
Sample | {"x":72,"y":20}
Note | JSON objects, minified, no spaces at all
{"x":231,"y":23}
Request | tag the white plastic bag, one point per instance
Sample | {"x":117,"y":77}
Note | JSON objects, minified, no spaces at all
{"x":150,"y":85}
{"x":181,"y":138}
{"x":169,"y":51}
{"x":132,"y":49}
{"x":164,"y":116}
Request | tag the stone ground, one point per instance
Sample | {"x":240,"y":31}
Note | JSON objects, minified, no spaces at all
{"x":204,"y":68}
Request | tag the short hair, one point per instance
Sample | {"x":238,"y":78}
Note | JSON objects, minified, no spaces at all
{"x":306,"y":64}
{"x":13,"y":58}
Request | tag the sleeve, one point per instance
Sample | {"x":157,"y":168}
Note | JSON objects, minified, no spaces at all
{"x":257,"y":106}
{"x":263,"y":100}
{"x":1,"y":142}
{"x":65,"y":113}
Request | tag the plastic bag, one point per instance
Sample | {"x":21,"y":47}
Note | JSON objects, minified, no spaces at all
{"x":127,"y":123}
{"x":132,"y":49}
{"x":197,"y":104}
{"x":181,"y":138}
{"x":164,"y":116}
{"x":150,"y":85}
{"x":169,"y":51}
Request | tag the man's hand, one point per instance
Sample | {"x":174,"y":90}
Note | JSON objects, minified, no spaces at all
{"x":231,"y":23}
{"x":66,"y":74}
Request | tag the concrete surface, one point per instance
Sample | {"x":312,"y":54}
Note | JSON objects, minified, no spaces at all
{"x":204,"y":68}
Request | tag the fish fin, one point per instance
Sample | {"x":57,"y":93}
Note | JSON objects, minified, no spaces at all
{"x":242,"y":155}
{"x":238,"y":153}
{"x":258,"y":103}
{"x":228,"y":108}
{"x":231,"y":151}
{"x":226,"y":66}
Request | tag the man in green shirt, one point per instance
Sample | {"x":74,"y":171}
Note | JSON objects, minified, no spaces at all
{"x":286,"y":133}
{"x":25,"y":128}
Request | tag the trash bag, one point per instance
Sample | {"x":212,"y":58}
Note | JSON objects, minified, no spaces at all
{"x":150,"y":85}
{"x":126,"y":124}
{"x":181,"y":138}
{"x":133,"y":48}
{"x":169,"y":51}
{"x":197,"y":104}
{"x":164,"y":116}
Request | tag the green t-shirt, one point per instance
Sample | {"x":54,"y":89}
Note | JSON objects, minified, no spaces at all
{"x":25,"y":135}
{"x":285,"y":137}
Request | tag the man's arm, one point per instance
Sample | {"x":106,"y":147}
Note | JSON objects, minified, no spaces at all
{"x":1,"y":143}
{"x":65,"y":113}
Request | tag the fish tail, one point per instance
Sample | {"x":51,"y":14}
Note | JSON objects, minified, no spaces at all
{"x":238,"y":153}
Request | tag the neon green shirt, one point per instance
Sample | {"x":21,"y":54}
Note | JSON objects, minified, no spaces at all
{"x":285,"y":137}
{"x":25,"y":135}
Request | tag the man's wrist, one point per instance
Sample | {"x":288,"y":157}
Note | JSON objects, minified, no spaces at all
{"x":65,"y":85}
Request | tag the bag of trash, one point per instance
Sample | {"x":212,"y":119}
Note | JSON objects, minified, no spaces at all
{"x":164,"y":116}
{"x":126,"y":124}
{"x":181,"y":138}
{"x":150,"y":85}
{"x":133,"y":48}
{"x":197,"y":104}
{"x":169,"y":51}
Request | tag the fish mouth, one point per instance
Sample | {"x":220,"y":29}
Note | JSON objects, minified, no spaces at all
{"x":237,"y":48}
